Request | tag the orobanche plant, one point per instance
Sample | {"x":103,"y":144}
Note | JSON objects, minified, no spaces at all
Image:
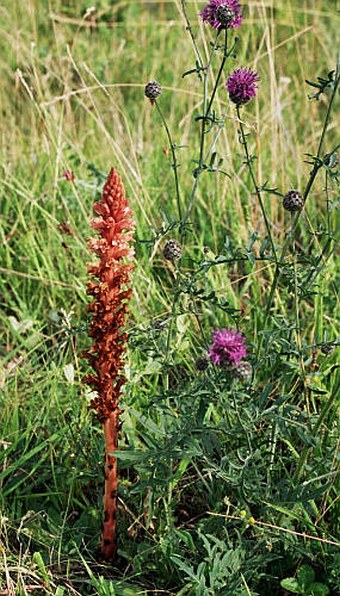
{"x":110,"y":289}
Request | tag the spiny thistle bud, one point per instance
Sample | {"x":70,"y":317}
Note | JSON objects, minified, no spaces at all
{"x":172,"y":251}
{"x":224,"y":15}
{"x":244,"y":371}
{"x":327,"y":348}
{"x":293,"y":201}
{"x":201,"y":363}
{"x":152,"y":90}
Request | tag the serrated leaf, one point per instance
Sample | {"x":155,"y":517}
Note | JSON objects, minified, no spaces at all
{"x":184,"y":567}
{"x":188,"y":72}
{"x":313,"y":84}
{"x":212,"y":159}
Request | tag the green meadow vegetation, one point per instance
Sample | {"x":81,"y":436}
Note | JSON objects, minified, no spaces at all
{"x":228,"y":486}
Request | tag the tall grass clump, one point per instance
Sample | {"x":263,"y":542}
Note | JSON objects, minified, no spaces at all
{"x":220,"y":118}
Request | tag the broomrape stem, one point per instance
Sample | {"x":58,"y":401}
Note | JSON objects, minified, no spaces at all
{"x":109,"y":532}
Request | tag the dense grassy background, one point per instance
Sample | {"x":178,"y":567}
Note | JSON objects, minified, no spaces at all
{"x":201,"y":460}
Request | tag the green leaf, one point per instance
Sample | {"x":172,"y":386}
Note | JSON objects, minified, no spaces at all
{"x":292,"y":585}
{"x":187,"y":539}
{"x":305,"y":575}
{"x":38,"y":560}
{"x":182,"y":466}
{"x":184,"y":567}
{"x":317,"y":589}
{"x":135,"y":455}
{"x":288,"y":512}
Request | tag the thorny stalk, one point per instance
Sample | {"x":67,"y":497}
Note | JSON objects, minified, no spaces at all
{"x":316,"y":167}
{"x":206,"y":116}
{"x":244,"y":143}
{"x":174,"y":164}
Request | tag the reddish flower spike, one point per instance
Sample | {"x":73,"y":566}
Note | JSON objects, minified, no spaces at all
{"x":110,"y":291}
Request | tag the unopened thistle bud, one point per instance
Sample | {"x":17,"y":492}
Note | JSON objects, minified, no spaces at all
{"x":244,"y":371}
{"x":293,"y":201}
{"x":152,"y":90}
{"x":327,"y":348}
{"x":224,"y":15}
{"x":201,"y":363}
{"x":172,"y":251}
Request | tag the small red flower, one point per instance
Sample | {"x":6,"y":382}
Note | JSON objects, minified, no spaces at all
{"x":68,"y":175}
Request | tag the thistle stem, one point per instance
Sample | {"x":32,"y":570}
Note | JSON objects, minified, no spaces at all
{"x":325,"y":410}
{"x":174,"y":164}
{"x":189,"y":29}
{"x":206,"y":109}
{"x":244,"y":143}
{"x":297,"y":321}
{"x":219,"y":74}
{"x":316,"y":167}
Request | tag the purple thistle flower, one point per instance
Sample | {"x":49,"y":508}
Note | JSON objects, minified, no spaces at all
{"x":228,"y":347}
{"x":222,"y":14}
{"x":241,"y":85}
